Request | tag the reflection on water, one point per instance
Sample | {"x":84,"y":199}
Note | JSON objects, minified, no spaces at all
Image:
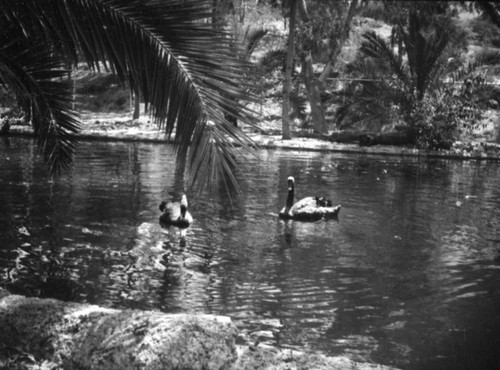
{"x":407,"y":276}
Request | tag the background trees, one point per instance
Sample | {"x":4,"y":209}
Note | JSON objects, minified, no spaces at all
{"x":416,"y":81}
{"x":324,"y":30}
{"x":190,"y":61}
{"x":398,"y":81}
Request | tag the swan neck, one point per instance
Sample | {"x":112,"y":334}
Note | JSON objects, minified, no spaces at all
{"x":289,"y":199}
{"x":183,"y":210}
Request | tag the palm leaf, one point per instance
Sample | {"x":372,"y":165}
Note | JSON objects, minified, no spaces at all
{"x":375,"y":46}
{"x":273,"y":59}
{"x":252,"y":37}
{"x":184,"y":67}
{"x":369,"y":103}
{"x":35,"y":78}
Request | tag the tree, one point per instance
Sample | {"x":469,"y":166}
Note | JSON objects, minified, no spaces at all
{"x":183,"y":68}
{"x":325,"y":25}
{"x":406,"y":82}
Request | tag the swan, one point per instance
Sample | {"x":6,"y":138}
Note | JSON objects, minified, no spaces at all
{"x":307,"y":209}
{"x":176,"y":214}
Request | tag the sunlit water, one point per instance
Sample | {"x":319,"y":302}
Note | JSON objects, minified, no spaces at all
{"x":409,"y":275}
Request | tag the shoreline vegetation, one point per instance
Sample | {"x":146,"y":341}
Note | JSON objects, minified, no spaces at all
{"x":119,"y":127}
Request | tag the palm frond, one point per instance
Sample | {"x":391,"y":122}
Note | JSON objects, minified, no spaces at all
{"x":376,"y":47}
{"x":487,"y":57}
{"x":370,"y":101}
{"x":480,"y":69}
{"x":252,"y":37}
{"x":38,"y":81}
{"x":185,"y":68}
{"x":273,"y":59}
{"x":207,"y":157}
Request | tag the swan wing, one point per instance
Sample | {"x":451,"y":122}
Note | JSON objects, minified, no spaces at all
{"x":307,"y":210}
{"x":173,"y":209}
{"x":171,"y":213}
{"x":303,"y":204}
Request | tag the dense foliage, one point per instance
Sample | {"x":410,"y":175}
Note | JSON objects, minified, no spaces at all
{"x":415,"y":80}
{"x":191,"y":63}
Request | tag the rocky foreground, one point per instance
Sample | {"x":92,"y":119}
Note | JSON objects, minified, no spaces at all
{"x":50,"y":334}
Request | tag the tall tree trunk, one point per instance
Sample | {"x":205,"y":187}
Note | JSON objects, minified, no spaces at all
{"x":288,"y":72}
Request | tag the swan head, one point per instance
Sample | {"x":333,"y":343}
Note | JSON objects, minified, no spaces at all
{"x":184,"y":200}
{"x":291,"y":182}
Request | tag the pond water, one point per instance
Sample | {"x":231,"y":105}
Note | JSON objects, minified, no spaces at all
{"x":408,"y":276}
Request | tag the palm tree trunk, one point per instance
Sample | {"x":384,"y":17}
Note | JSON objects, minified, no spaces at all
{"x":288,"y":72}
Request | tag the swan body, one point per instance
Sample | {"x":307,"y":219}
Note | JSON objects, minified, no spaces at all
{"x":176,"y":214}
{"x":307,"y":209}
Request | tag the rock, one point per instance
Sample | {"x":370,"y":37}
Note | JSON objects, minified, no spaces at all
{"x":76,"y":336}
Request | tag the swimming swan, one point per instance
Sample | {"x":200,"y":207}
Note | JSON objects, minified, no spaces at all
{"x":307,"y":209}
{"x":176,"y":214}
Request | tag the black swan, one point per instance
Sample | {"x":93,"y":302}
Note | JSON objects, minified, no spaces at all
{"x":176,"y":214}
{"x":307,"y":209}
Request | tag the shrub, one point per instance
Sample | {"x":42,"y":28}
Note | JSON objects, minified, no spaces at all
{"x":440,"y":118}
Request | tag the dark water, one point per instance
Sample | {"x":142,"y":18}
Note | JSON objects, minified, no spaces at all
{"x":409,"y":275}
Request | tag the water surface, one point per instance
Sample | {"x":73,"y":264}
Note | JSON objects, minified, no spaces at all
{"x":409,"y":275}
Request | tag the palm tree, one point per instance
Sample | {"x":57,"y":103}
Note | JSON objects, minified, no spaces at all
{"x":184,"y":68}
{"x":389,"y":78}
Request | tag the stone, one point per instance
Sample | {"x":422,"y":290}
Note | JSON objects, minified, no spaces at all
{"x":76,"y":336}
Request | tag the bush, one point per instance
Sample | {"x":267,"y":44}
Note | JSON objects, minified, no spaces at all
{"x":440,"y":118}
